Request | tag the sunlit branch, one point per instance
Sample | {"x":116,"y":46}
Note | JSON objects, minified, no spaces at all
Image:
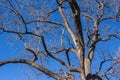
{"x":31,"y":63}
{"x":61,"y":38}
{"x":67,"y":26}
{"x":79,"y":40}
{"x":94,"y":40}
{"x":77,"y":22}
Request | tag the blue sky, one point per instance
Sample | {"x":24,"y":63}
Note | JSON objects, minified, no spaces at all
{"x":8,"y":50}
{"x":11,"y":47}
{"x":10,"y":71}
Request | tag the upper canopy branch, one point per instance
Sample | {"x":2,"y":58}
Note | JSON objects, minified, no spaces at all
{"x":45,"y":21}
{"x":20,"y":17}
{"x":67,"y":26}
{"x":94,"y":40}
{"x":76,"y":17}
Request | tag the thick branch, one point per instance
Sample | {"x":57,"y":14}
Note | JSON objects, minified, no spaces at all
{"x":94,"y":40}
{"x":95,"y":31}
{"x":79,"y":40}
{"x":31,"y":63}
{"x":66,"y":23}
{"x":76,"y":17}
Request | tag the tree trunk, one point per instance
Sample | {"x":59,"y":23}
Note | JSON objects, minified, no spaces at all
{"x":87,"y":66}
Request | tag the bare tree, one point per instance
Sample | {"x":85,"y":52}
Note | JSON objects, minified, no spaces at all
{"x":70,"y":32}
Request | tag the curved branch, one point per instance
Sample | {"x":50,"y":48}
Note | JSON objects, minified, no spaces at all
{"x":31,"y":63}
{"x":45,"y":21}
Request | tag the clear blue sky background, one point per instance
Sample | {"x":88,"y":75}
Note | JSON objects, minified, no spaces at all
{"x":9,"y":49}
